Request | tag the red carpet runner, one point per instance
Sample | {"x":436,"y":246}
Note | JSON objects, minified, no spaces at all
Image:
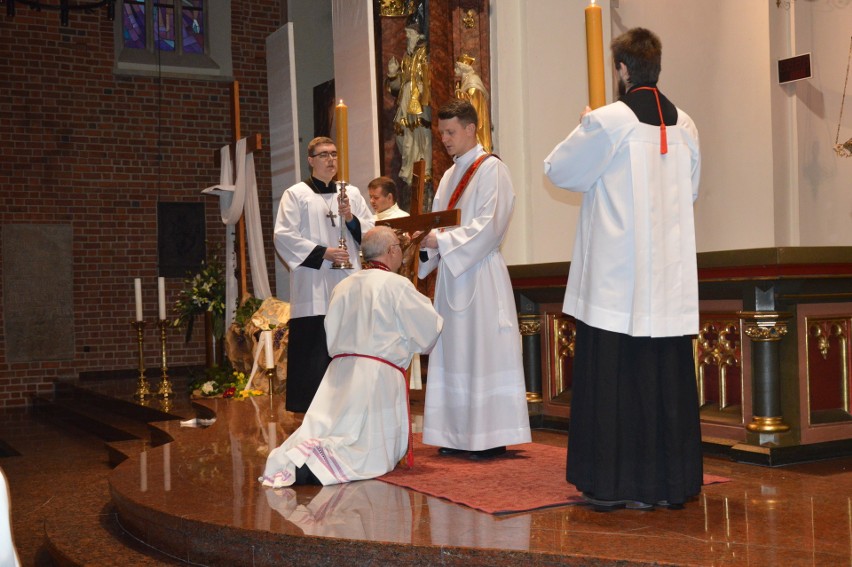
{"x":527,"y":477}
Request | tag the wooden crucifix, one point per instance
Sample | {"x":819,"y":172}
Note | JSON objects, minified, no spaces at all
{"x":418,"y":221}
{"x":253,"y":144}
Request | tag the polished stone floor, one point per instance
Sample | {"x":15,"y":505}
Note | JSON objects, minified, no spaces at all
{"x":202,"y":485}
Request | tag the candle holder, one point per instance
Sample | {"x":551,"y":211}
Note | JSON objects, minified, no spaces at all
{"x":165,"y":390}
{"x":142,"y":389}
{"x":270,"y":374}
{"x":341,"y":242}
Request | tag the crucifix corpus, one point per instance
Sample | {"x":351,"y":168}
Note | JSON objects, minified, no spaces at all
{"x":253,"y":144}
{"x":423,"y":222}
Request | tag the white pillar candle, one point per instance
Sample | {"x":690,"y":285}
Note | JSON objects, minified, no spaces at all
{"x":137,"y":285}
{"x":161,"y":290}
{"x":267,"y":341}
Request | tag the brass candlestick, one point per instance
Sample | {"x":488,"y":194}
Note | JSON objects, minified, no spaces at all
{"x":341,"y":242}
{"x":270,"y":374}
{"x":142,"y":389}
{"x":165,"y":390}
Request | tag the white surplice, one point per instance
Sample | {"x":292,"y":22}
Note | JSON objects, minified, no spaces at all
{"x":475,"y":392}
{"x":392,"y":212}
{"x":302,"y":224}
{"x":357,"y":425}
{"x":634,"y":268}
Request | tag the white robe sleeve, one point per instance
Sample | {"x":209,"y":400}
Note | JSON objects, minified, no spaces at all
{"x":579,"y":160}
{"x":290,"y":244}
{"x":684,"y":121}
{"x":417,"y":320}
{"x":486,"y":212}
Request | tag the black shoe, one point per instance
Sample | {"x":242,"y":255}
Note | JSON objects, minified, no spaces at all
{"x":600,"y":505}
{"x":304,"y":475}
{"x":486,"y":454}
{"x":450,"y":451}
{"x":669,"y":505}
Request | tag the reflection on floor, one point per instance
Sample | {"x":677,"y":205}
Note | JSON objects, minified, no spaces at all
{"x":197,"y":501}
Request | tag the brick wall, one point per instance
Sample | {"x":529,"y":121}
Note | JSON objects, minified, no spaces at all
{"x":80,"y":147}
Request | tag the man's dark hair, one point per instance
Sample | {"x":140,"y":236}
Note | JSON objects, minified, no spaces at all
{"x":319,"y":141}
{"x":387,"y":186}
{"x":641,"y":51}
{"x":460,"y":109}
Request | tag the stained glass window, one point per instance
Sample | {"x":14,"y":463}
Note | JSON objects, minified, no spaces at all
{"x":174,"y":38}
{"x":161,"y":17}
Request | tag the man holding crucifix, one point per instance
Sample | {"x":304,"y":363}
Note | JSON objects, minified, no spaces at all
{"x":307,"y":233}
{"x":475,"y":394}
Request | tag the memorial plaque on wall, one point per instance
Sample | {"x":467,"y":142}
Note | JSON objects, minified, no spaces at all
{"x":180,"y":238}
{"x":38,"y":292}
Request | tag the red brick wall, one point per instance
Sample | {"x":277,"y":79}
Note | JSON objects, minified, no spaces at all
{"x":80,"y":146}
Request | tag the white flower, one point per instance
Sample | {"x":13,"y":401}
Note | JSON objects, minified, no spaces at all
{"x":208,"y":387}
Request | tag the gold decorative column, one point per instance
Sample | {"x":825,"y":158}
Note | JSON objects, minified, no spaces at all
{"x":766,"y":329}
{"x":530,"y":327}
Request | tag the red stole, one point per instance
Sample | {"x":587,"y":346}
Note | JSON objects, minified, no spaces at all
{"x":465,"y":180}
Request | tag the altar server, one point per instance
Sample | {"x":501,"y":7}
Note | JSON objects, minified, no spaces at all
{"x":634,"y":439}
{"x":307,"y":237}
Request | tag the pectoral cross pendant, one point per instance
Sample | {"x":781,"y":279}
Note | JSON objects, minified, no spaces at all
{"x":331,"y":217}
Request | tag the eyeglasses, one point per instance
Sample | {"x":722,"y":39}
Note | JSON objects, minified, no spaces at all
{"x":326,"y":155}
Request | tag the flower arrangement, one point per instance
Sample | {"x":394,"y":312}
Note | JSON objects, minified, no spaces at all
{"x":223,"y":382}
{"x":203,"y":293}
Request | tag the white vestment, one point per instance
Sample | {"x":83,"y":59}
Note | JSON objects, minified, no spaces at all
{"x":301,"y":226}
{"x":357,"y":425}
{"x":475,"y":392}
{"x":392,"y":212}
{"x":634,"y":268}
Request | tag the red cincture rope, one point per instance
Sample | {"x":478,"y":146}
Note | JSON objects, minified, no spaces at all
{"x":409,"y":456}
{"x":664,"y":145}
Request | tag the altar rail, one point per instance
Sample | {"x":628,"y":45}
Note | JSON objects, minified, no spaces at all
{"x":772,"y":356}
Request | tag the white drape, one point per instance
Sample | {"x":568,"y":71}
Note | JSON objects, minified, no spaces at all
{"x":238,"y":196}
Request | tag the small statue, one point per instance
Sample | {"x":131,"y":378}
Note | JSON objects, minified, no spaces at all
{"x":408,"y":80}
{"x":472,"y":89}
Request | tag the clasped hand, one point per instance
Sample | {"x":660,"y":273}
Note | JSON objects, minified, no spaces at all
{"x":344,"y":208}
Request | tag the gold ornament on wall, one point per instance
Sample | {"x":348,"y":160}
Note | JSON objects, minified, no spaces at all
{"x":469,"y":19}
{"x":397,"y":7}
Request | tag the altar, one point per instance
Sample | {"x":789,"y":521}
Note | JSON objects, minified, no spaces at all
{"x":772,"y":355}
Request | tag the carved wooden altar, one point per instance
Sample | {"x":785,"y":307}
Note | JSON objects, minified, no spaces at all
{"x":772,"y":357}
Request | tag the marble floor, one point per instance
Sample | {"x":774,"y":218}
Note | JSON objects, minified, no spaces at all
{"x":196,"y":499}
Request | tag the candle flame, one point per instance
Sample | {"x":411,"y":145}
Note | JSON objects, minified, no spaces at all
{"x":341,"y":101}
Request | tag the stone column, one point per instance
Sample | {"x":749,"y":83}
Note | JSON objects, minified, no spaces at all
{"x":530,"y":327}
{"x":766,"y":329}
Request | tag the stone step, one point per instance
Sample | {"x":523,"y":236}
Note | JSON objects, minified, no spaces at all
{"x":97,"y":421}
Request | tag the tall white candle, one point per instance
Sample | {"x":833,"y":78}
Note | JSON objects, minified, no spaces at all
{"x":161,"y":290}
{"x":267,"y":340}
{"x":137,"y":285}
